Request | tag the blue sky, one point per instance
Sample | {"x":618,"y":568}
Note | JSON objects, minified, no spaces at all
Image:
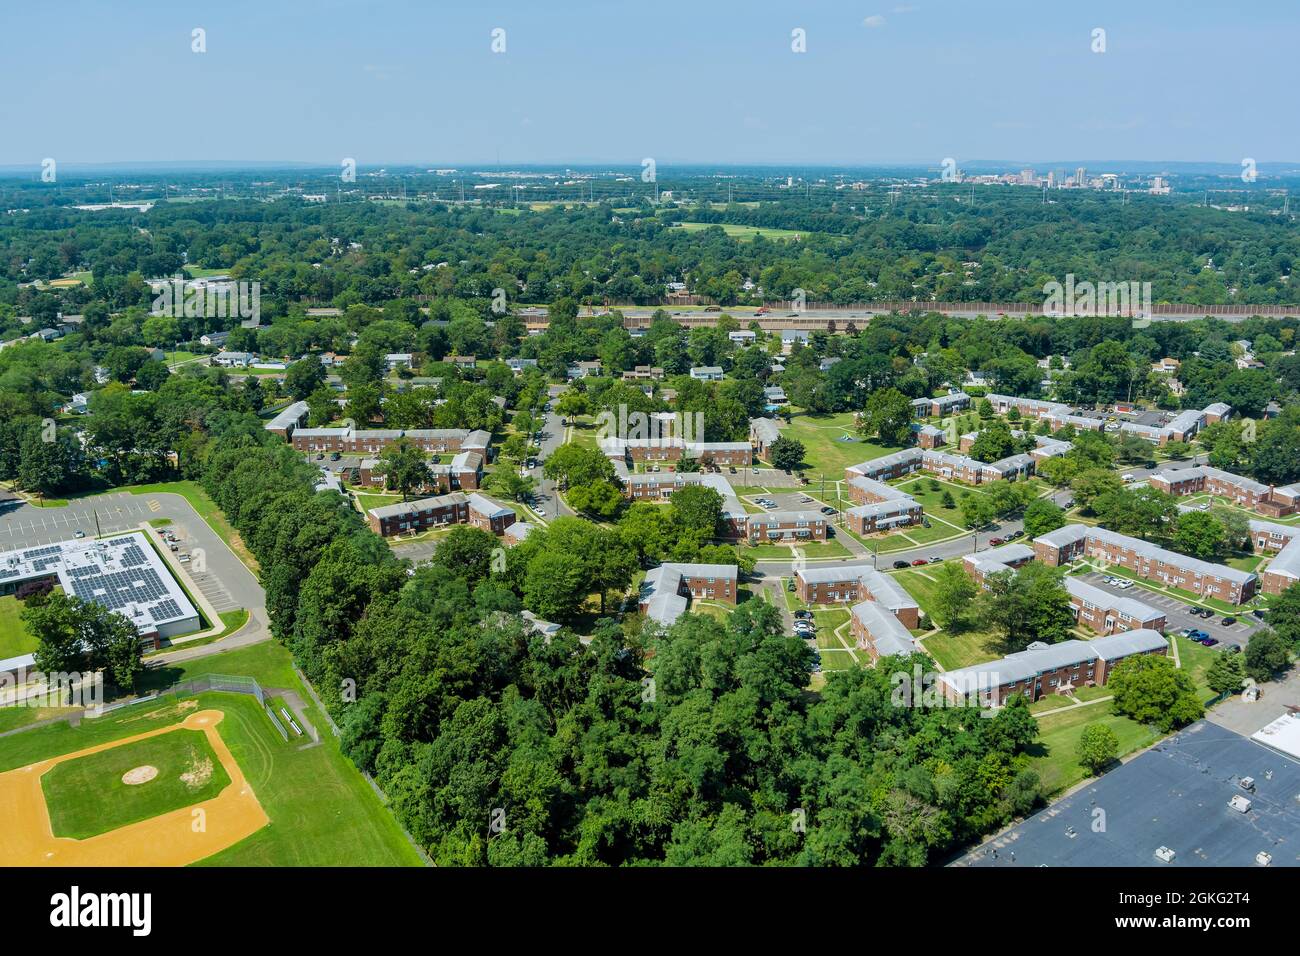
{"x":611,"y":81}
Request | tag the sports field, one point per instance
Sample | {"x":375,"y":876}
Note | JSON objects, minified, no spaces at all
{"x":313,"y":807}
{"x":112,"y":788}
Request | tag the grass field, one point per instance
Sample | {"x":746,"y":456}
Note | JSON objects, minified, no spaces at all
{"x":811,"y":551}
{"x":14,"y":639}
{"x":823,"y":452}
{"x":322,"y":810}
{"x":743,"y":233}
{"x":963,"y":649}
{"x":932,"y":500}
{"x":87,"y":796}
{"x":1055,"y":755}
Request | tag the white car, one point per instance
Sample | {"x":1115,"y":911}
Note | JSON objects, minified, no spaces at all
{"x":538,"y":510}
{"x":1128,"y":476}
{"x":79,"y":534}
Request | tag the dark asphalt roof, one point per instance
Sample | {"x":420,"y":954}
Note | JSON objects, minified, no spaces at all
{"x":1174,"y":795}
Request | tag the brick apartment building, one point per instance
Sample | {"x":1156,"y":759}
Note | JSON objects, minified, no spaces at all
{"x":938,"y":407}
{"x":350,"y":441}
{"x":463,"y":473}
{"x":943,"y":465}
{"x":1147,"y":561}
{"x":879,"y":631}
{"x":982,"y":564}
{"x":852,"y":583}
{"x":784,"y":527}
{"x":414,"y":517}
{"x":763,"y":433}
{"x":1049,"y":669}
{"x":929,"y":436}
{"x":287,"y":420}
{"x":1244,"y":492}
{"x":1108,"y":613}
{"x":667,"y":588}
{"x":881,"y":507}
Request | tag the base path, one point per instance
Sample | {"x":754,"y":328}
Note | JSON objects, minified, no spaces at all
{"x":175,"y":838}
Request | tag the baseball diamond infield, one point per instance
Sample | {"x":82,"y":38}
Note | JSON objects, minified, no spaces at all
{"x":169,"y":839}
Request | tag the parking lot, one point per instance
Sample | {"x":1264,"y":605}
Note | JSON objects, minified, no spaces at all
{"x":1179,"y":616}
{"x":223,"y":579}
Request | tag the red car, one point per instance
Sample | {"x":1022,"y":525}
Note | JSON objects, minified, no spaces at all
{"x":996,"y":541}
{"x":919,"y":562}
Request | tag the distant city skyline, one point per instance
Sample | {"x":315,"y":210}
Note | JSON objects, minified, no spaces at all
{"x":398,"y":82}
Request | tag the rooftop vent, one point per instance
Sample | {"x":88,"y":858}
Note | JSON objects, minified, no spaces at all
{"x":1248,"y":783}
{"x":1239,"y":803}
{"x":1263,"y":858}
{"x":1165,"y":855}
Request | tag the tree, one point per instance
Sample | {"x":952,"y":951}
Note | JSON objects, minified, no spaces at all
{"x":554,"y":587}
{"x":509,"y":484}
{"x":1098,"y":748}
{"x":698,"y":508}
{"x":601,"y":499}
{"x":1041,"y":516}
{"x":1199,"y":534}
{"x":1266,"y":655}
{"x":787,"y":453}
{"x":1028,"y":605}
{"x":1149,"y":689}
{"x":994,"y":442}
{"x":1226,"y":673}
{"x":73,"y":635}
{"x":977,"y":511}
{"x":467,"y":552}
{"x":888,"y":415}
{"x":954,"y":595}
{"x":573,"y":464}
{"x":1091,"y":484}
{"x":405,"y":467}
{"x":305,"y":376}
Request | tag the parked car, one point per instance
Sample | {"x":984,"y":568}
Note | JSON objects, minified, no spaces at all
{"x":920,"y":563}
{"x":1124,"y":584}
{"x":827,"y":509}
{"x":994,"y":542}
{"x":1197,"y":636}
{"x":1228,"y":621}
{"x":1185,"y":632}
{"x":1209,"y":641}
{"x":899,"y":565}
{"x":803,"y":615}
{"x":1257,"y":614}
{"x":731,"y":469}
{"x":936,"y":558}
{"x":79,"y":534}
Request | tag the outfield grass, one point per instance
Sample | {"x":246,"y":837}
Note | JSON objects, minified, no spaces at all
{"x":14,"y":639}
{"x":87,"y":797}
{"x":322,"y":810}
{"x":1055,"y":755}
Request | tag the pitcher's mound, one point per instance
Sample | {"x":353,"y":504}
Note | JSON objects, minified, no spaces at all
{"x":139,"y":775}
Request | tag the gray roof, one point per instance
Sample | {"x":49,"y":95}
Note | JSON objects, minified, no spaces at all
{"x":1098,"y":597}
{"x":289,"y":415}
{"x":660,"y":586}
{"x":885,"y":590}
{"x":1150,"y":551}
{"x":1287,"y":561}
{"x":888,"y":633}
{"x":764,"y":430}
{"x":408,"y":508}
{"x":486,"y":506}
{"x":1203,"y":472}
{"x":1028,"y":664}
{"x":1174,"y":795}
{"x":907,"y":457}
{"x":787,"y":517}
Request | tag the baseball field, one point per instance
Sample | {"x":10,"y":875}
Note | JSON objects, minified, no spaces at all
{"x":201,"y":779}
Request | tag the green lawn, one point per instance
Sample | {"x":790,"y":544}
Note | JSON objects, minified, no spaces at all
{"x":14,"y":639}
{"x":812,"y":550}
{"x":322,"y":810}
{"x":1196,"y":660}
{"x":823,"y":452}
{"x":743,"y":233}
{"x":1055,"y":754}
{"x":963,"y":649}
{"x":87,"y":797}
{"x":922,"y":489}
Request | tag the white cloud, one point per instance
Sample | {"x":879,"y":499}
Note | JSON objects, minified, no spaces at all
{"x":876,"y":20}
